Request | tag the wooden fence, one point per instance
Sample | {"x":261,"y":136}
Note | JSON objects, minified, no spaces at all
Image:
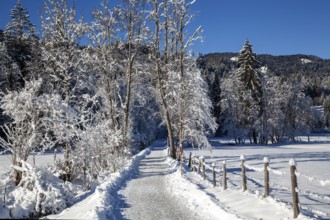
{"x":199,"y":166}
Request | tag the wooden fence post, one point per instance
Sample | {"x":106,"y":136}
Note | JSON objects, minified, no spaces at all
{"x":4,"y":197}
{"x":224,"y":175}
{"x":243,"y":173}
{"x":213,"y":172}
{"x":189,"y":162}
{"x":266,"y":176}
{"x":193,"y":163}
{"x":181,"y":162}
{"x":294,"y":187}
{"x":199,"y":165}
{"x":34,"y":159}
{"x":55,"y":155}
{"x":220,"y":178}
{"x":203,"y":166}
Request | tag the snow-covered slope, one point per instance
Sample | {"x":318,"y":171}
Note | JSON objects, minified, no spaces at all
{"x":264,"y":69}
{"x":304,"y":60}
{"x":234,"y":59}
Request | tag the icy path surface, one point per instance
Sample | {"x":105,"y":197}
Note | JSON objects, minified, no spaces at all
{"x":146,"y":195}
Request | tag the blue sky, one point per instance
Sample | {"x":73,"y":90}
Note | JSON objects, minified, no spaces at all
{"x":278,"y":27}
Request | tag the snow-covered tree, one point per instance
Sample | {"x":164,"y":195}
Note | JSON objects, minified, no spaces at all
{"x":297,"y":110}
{"x":232,"y":109}
{"x":10,"y":74}
{"x":62,"y":58}
{"x":287,"y":109}
{"x":198,"y":122}
{"x":326,"y":107}
{"x":242,"y":99}
{"x":251,"y":90}
{"x":170,"y":50}
{"x":21,"y":41}
{"x":23,"y":133}
{"x":160,"y":75}
{"x":107,"y":63}
{"x":119,"y":57}
{"x":103,"y":34}
{"x":60,"y":50}
{"x":133,"y":27}
{"x":182,"y":18}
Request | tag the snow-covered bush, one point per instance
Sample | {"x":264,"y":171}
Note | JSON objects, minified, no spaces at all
{"x":39,"y":193}
{"x":23,"y":133}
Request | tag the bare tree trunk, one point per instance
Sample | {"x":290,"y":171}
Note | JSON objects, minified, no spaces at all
{"x":166,"y":43}
{"x":67,"y":165}
{"x":128,"y":76}
{"x":181,"y":57}
{"x":17,"y":174}
{"x":111,"y":109}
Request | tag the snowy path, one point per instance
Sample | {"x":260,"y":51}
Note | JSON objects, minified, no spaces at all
{"x":144,"y":189}
{"x":146,"y":195}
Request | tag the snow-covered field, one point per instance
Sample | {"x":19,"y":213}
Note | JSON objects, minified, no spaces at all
{"x":313,"y":170}
{"x":41,"y":159}
{"x":199,"y":196}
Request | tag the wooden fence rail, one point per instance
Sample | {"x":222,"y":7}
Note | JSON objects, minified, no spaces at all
{"x":244,"y":168}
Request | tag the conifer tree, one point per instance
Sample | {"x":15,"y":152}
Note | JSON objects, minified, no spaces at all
{"x":21,"y":39}
{"x":248,"y":71}
{"x":2,"y":36}
{"x":251,"y":92}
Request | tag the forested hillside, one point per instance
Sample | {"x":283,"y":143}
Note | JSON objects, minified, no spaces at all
{"x":310,"y":74}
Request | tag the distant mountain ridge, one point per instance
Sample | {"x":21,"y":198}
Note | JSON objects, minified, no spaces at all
{"x":222,"y":63}
{"x":313,"y":70}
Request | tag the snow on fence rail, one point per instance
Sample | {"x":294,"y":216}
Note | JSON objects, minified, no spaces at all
{"x":313,"y":179}
{"x":196,"y":164}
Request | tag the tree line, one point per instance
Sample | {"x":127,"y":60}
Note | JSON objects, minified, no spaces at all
{"x":267,"y":99}
{"x":104,"y":100}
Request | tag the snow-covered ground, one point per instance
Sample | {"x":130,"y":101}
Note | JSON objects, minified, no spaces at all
{"x":200,"y":198}
{"x":118,"y":194}
{"x":313,"y":163}
{"x":41,"y":160}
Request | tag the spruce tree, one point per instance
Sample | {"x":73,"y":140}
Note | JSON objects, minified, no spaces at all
{"x":248,"y":72}
{"x":21,"y":39}
{"x":2,"y":36}
{"x":251,"y":91}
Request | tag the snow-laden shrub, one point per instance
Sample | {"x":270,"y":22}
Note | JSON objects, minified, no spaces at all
{"x":39,"y":193}
{"x":98,"y":150}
